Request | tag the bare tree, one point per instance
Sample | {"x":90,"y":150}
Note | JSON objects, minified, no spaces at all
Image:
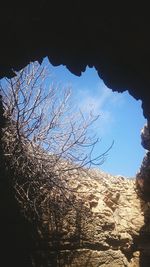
{"x":45,"y":142}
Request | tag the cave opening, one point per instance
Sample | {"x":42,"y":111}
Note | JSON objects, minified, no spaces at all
{"x":121,"y":118}
{"x":119,"y":113}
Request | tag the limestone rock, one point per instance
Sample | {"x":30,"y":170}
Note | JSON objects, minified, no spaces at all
{"x":103,"y":229}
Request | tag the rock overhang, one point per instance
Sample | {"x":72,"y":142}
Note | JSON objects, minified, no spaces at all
{"x":113,"y":39}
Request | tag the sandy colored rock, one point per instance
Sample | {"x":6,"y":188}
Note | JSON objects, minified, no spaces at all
{"x":105,"y":228}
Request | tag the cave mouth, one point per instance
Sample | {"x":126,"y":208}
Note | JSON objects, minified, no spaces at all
{"x":121,"y":118}
{"x":120,"y":121}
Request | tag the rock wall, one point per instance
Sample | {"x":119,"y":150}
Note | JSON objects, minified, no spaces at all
{"x":143,"y":176}
{"x":104,"y":222}
{"x":104,"y":229}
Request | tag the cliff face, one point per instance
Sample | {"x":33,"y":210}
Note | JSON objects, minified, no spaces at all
{"x":103,"y":228}
{"x":94,"y":220}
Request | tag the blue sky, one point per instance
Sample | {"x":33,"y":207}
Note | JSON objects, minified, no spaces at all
{"x":121,"y":118}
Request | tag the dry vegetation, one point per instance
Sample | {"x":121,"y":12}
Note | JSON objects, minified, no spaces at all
{"x":44,"y":143}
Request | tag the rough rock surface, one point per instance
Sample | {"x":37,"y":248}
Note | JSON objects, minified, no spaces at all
{"x":106,"y":223}
{"x":105,"y":228}
{"x":143,"y":176}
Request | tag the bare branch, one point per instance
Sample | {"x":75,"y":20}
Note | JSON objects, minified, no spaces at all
{"x":44,"y":140}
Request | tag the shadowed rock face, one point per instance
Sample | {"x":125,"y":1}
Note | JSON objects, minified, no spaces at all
{"x":111,"y":37}
{"x":143,"y":176}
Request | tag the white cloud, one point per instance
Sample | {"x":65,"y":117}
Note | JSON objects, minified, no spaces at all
{"x":100,"y":100}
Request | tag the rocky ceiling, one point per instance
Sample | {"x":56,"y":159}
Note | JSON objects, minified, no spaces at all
{"x":114,"y":39}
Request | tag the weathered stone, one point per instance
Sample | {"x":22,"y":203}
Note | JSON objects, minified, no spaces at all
{"x":105,"y":230}
{"x":143,"y":176}
{"x":104,"y":222}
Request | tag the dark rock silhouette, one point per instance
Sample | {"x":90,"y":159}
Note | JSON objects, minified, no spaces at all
{"x":113,"y":38}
